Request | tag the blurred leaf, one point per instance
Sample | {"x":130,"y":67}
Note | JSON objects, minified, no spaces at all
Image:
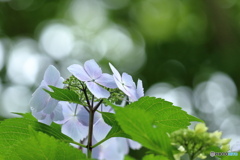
{"x":17,"y":129}
{"x":63,"y":95}
{"x":41,"y":146}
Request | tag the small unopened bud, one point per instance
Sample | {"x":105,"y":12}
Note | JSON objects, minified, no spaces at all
{"x":202,"y":156}
{"x":225,"y":141}
{"x":200,"y":128}
{"x":225,"y":147}
{"x":216,"y":134}
{"x":181,"y":149}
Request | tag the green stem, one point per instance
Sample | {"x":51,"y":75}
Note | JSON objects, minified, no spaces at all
{"x":84,"y":146}
{"x":100,"y":142}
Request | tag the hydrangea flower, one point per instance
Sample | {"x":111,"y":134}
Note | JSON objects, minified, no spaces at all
{"x":126,"y":84}
{"x":92,"y":75}
{"x":43,"y":107}
{"x":75,"y":123}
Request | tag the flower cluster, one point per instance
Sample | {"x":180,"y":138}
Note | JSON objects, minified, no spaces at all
{"x":198,"y":142}
{"x":94,"y":86}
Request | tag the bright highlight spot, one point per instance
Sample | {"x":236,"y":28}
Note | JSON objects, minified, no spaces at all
{"x":57,"y":40}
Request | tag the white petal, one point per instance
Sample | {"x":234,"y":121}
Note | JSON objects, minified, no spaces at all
{"x":134,"y":144}
{"x":79,"y":72}
{"x":92,"y":69}
{"x":100,"y":130}
{"x":74,"y":129}
{"x":97,"y":91}
{"x":51,"y":75}
{"x":107,"y":80}
{"x":115,"y":72}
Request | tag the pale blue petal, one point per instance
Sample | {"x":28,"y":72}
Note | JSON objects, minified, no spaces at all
{"x":67,"y":111}
{"x":114,"y":149}
{"x":104,"y":108}
{"x":59,"y":83}
{"x":107,"y":80}
{"x":38,"y":115}
{"x":47,"y":120}
{"x":100,"y":130}
{"x":115,"y":72}
{"x":140,"y":91}
{"x":39,"y":99}
{"x":92,"y":69}
{"x":97,"y":91}
{"x":134,"y":144}
{"x":74,"y":129}
{"x":50,"y":105}
{"x":123,"y":145}
{"x":97,"y":115}
{"x":79,"y":72}
{"x":128,"y":81}
{"x":58,"y":113}
{"x":51,"y":75}
{"x":83,"y":115}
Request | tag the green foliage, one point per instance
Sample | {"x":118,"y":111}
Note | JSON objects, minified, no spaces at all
{"x":16,"y":131}
{"x":63,"y":95}
{"x":165,"y":115}
{"x":139,"y":125}
{"x":147,"y":121}
{"x":153,"y":157}
{"x":128,"y":158}
{"x":39,"y":146}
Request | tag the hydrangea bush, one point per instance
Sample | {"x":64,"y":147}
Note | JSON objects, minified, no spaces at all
{"x":95,"y":115}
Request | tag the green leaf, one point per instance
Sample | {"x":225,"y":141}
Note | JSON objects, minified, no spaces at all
{"x":139,"y":125}
{"x":40,"y":146}
{"x":153,"y":157}
{"x":127,"y":157}
{"x":17,"y":129}
{"x":63,"y":95}
{"x":166,"y":116}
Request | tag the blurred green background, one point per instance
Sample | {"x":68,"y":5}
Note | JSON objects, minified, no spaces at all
{"x":185,"y":51}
